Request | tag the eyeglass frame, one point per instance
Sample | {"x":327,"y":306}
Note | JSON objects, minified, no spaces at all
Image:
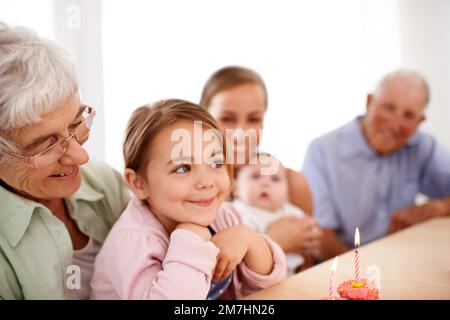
{"x":64,"y":141}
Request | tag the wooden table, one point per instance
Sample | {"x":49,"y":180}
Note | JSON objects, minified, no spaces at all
{"x":413,"y":264}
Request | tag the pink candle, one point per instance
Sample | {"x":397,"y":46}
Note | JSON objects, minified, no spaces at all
{"x":331,"y":285}
{"x":357,"y":255}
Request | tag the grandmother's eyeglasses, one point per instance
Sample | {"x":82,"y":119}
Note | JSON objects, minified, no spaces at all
{"x":52,"y":153}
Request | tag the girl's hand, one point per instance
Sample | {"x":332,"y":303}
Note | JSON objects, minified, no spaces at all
{"x":202,"y":232}
{"x":234,"y":243}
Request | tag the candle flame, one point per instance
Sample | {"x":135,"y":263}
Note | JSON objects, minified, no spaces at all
{"x":334,"y":265}
{"x":357,"y":242}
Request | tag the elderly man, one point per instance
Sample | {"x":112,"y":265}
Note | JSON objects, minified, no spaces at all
{"x":56,"y":207}
{"x":367,"y":173}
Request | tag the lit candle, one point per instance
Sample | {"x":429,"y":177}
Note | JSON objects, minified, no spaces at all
{"x":357,"y":255}
{"x":332,"y":272}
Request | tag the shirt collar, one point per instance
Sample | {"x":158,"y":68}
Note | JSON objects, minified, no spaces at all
{"x":16,"y":212}
{"x":356,"y":144}
{"x":15,"y":215}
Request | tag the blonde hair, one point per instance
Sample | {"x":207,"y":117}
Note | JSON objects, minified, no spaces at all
{"x":148,"y":121}
{"x":228,"y":78}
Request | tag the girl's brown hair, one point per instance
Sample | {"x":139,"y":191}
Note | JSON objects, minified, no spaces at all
{"x":148,"y":121}
{"x":227,"y":78}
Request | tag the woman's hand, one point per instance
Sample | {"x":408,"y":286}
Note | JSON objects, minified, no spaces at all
{"x":202,"y":232}
{"x":241,"y":243}
{"x":296,"y":234}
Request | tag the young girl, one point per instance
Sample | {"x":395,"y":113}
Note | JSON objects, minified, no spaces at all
{"x":176,"y":235}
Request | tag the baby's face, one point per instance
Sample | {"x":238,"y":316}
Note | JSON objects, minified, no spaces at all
{"x":268,"y":192}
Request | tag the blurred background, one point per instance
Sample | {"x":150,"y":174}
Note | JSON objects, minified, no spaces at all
{"x":319,"y":58}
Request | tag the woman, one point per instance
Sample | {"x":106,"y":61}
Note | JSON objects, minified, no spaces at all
{"x":237,"y":98}
{"x":56,"y":206}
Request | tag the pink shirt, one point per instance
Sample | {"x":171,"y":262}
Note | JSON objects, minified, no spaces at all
{"x":140,"y":261}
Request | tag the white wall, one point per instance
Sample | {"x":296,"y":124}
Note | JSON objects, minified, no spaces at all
{"x":318,"y":59}
{"x":425,"y":29}
{"x":78,"y":28}
{"x":38,"y":15}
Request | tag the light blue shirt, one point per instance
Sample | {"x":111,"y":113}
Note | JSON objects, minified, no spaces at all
{"x":352,"y":186}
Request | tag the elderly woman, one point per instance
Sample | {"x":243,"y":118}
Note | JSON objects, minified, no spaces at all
{"x":56,"y":206}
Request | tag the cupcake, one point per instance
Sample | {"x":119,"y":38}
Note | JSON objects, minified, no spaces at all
{"x":362,"y":290}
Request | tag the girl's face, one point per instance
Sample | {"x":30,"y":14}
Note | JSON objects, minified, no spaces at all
{"x":242,"y":107}
{"x":186,"y":181}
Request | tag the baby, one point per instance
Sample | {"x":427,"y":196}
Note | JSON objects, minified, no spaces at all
{"x":262,"y":198}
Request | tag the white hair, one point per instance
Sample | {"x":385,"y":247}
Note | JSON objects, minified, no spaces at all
{"x":36,"y":77}
{"x":414,"y":78}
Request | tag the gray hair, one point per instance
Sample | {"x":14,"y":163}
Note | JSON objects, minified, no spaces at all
{"x":36,"y":77}
{"x":414,"y":78}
